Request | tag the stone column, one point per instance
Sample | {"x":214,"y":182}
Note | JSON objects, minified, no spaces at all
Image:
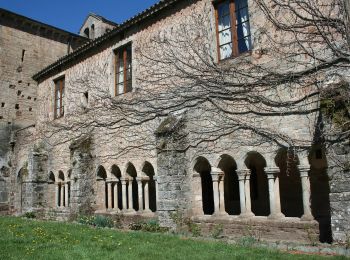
{"x":215,"y":178}
{"x":241,"y":178}
{"x":109,"y":194}
{"x":57,"y":194}
{"x":221,"y":191}
{"x":62,"y":194}
{"x":131,"y":204}
{"x":123,"y":180}
{"x":155,"y":178}
{"x":248,"y":201}
{"x":146,"y":179}
{"x":274,"y":192}
{"x":66,"y":195}
{"x":305,"y":184}
{"x":139,"y":189}
{"x":115,"y":193}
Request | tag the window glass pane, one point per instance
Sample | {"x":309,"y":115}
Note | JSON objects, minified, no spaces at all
{"x":225,"y":37}
{"x":224,"y":9}
{"x":224,"y":22}
{"x":128,"y":86}
{"x":243,"y":27}
{"x":120,"y":77}
{"x":128,"y":74}
{"x":225,"y":51}
{"x":120,"y":88}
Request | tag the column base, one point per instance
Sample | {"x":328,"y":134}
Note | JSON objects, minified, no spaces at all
{"x":307,"y":217}
{"x":247,"y":215}
{"x":220,"y":214}
{"x":276,"y":216}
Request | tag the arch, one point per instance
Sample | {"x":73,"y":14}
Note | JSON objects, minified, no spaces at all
{"x":102,"y":192}
{"x":149,"y":171}
{"x":61,"y":176}
{"x":52,"y":178}
{"x":20,"y":187}
{"x":259,"y":188}
{"x":203,"y":168}
{"x":131,"y":172}
{"x":92,"y":32}
{"x":290,"y":183}
{"x":117,"y":174}
{"x":320,"y":189}
{"x":231,"y":185}
{"x":101,"y":172}
{"x":87,"y":32}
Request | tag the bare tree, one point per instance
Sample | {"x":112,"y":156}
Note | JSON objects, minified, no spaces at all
{"x":296,"y":72}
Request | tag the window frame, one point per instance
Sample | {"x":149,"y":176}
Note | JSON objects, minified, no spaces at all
{"x":61,"y":83}
{"x":233,"y":29}
{"x":122,"y":49}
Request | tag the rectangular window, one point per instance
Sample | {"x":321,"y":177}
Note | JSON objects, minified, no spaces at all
{"x":59,"y":97}
{"x":123,"y":77}
{"x":232,"y":28}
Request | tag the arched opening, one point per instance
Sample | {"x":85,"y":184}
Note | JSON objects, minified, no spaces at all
{"x":51,"y":190}
{"x":87,"y":32}
{"x":102,"y":195}
{"x":203,"y":167}
{"x":319,"y":183}
{"x":231,"y":185}
{"x":132,"y":185}
{"x":61,"y":189}
{"x":149,"y":171}
{"x":92,"y":36}
{"x":117,"y":187}
{"x":259,"y":188}
{"x":290,"y":184}
{"x":21,"y":176}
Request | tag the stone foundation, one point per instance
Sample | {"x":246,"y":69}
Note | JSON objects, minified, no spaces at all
{"x":286,"y":229}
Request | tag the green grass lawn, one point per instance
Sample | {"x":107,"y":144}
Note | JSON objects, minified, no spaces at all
{"x":31,"y":239}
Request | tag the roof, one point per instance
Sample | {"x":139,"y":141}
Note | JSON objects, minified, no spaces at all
{"x":4,"y":12}
{"x":149,"y":12}
{"x":98,"y":17}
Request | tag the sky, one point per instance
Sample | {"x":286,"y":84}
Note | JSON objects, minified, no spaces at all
{"x":69,"y":15}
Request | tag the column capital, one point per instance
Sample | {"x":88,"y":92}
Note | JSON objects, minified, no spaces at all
{"x":145,"y":178}
{"x":215,"y":177}
{"x":130,"y":178}
{"x":242,"y":173}
{"x":123,"y":180}
{"x":272,"y":172}
{"x":217,"y":171}
{"x":138,"y":179}
{"x":304,"y":170}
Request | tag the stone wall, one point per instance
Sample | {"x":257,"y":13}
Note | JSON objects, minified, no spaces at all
{"x":339,"y":174}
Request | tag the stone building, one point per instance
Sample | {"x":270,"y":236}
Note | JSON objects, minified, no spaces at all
{"x":111,"y":138}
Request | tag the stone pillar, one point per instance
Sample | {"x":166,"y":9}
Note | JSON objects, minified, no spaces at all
{"x":147,"y":194}
{"x":274,"y":193}
{"x":155,"y":178}
{"x":57,"y":194}
{"x":221,"y":192}
{"x":109,"y":194}
{"x":62,"y":194}
{"x":123,"y":180}
{"x":215,"y":178}
{"x":139,"y":189}
{"x":66,"y":195}
{"x":115,"y":194}
{"x":248,"y":201}
{"x":241,"y":178}
{"x":305,"y":184}
{"x":131,"y":204}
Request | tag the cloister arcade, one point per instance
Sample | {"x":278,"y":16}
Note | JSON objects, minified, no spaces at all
{"x":278,"y":188}
{"x":59,"y":189}
{"x":133,"y":190}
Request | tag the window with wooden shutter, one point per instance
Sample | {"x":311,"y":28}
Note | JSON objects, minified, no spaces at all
{"x":123,"y":65}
